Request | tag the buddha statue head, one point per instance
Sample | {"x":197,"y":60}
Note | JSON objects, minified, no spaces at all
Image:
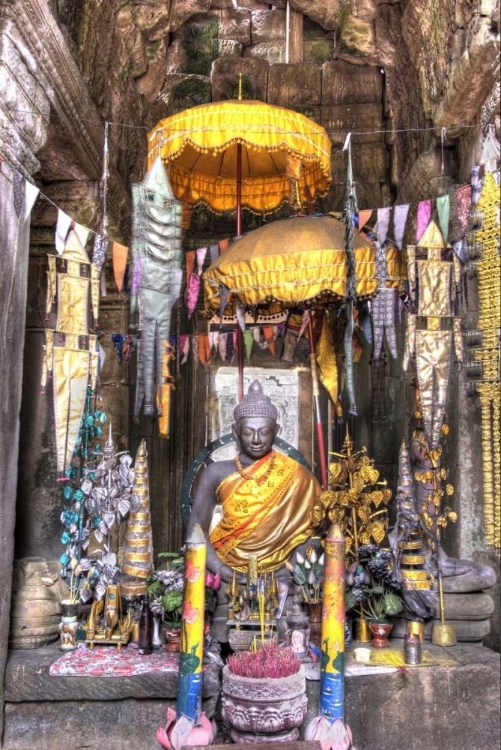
{"x":256,"y":424}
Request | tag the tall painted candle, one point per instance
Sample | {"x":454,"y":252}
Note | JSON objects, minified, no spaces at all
{"x":333,"y":619}
{"x":189,"y":695}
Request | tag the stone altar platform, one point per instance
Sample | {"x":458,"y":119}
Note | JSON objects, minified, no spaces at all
{"x":424,"y":708}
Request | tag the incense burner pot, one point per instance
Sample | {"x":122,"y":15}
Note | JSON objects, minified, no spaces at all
{"x":274,"y":707}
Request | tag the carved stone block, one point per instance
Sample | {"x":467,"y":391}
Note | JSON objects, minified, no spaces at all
{"x":224,"y":78}
{"x":369,"y":164}
{"x":230,"y":48}
{"x":272,"y":52}
{"x":294,"y":85}
{"x":341,"y":119}
{"x":267,"y":26}
{"x":236,"y":25}
{"x":343,"y":83}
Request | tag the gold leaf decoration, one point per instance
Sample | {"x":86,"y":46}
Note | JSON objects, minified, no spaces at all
{"x":378,"y":532}
{"x":376,"y":498}
{"x":386,"y":495}
{"x":358,"y":482}
{"x":328,"y":498}
{"x":363,"y":513}
{"x":336,"y":515}
{"x":335,"y":469}
{"x":373,"y":475}
{"x":449,"y":489}
{"x":364,"y":538}
{"x":317,"y":515}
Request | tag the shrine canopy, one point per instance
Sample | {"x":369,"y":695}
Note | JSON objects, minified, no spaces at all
{"x":279,"y":148}
{"x":298,"y":262}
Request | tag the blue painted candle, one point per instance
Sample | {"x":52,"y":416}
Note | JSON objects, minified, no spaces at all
{"x":189,"y":696}
{"x":333,"y":619}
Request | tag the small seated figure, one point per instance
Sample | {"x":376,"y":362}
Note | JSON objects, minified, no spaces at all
{"x":267,"y":498}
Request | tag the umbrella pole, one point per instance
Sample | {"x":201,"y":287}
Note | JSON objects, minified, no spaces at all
{"x":316,"y":397}
{"x":240,"y":336}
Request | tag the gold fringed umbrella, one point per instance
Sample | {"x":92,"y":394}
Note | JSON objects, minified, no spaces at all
{"x":278,"y":147}
{"x":298,"y":262}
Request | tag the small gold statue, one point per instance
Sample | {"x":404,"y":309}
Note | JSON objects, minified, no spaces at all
{"x":104,"y":624}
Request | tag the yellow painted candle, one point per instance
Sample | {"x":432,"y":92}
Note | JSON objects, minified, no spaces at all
{"x":333,"y":620}
{"x":189,"y":696}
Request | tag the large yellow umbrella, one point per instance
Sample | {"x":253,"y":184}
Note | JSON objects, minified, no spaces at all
{"x":299,"y":262}
{"x":240,"y":153}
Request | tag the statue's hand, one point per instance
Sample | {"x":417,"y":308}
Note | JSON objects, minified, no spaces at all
{"x":226,"y":573}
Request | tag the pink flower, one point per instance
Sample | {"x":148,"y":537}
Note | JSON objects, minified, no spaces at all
{"x":336,"y":736}
{"x":213,"y":581}
{"x":190,"y":614}
{"x":184,"y":733}
{"x":192,"y":572}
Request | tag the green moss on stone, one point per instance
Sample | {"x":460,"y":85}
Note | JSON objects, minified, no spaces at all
{"x":152,"y":48}
{"x":191,"y":91}
{"x":318,"y":51}
{"x":201,"y":44}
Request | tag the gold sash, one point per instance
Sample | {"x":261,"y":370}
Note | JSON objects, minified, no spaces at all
{"x":269,"y":518}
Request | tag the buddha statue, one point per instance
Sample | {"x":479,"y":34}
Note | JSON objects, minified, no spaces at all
{"x":266,"y":497}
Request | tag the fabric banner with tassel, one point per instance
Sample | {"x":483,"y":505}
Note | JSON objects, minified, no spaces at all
{"x":156,"y":240}
{"x":400,"y":214}
{"x":327,"y":363}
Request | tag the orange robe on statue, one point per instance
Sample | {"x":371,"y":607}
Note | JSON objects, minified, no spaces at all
{"x":268,"y":512}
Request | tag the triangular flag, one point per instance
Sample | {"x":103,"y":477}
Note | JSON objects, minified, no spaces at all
{"x":248,"y":342}
{"x":204,"y":349}
{"x":222,"y":345}
{"x":190,"y":262}
{"x":304,"y":323}
{"x":30,"y":195}
{"x":256,"y":333}
{"x":240,"y":315}
{"x":213,"y":253}
{"x":201,"y":253}
{"x":18,"y":191}
{"x":363,"y":217}
{"x":192,"y":292}
{"x":223,"y":244}
{"x":230,"y":345}
{"x":463,"y":201}
{"x":443,"y":210}
{"x":383,"y":222}
{"x":423,"y":218}
{"x":119,"y":254}
{"x":184,"y":347}
{"x":268,"y":337}
{"x":62,"y":229}
{"x":83,"y":233}
{"x":399,"y":222}
{"x":100,"y":248}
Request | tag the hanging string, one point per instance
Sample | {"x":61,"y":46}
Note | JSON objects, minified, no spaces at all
{"x":443,"y":134}
{"x":286,"y":132}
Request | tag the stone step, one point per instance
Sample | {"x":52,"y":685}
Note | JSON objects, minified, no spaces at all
{"x":449,"y":706}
